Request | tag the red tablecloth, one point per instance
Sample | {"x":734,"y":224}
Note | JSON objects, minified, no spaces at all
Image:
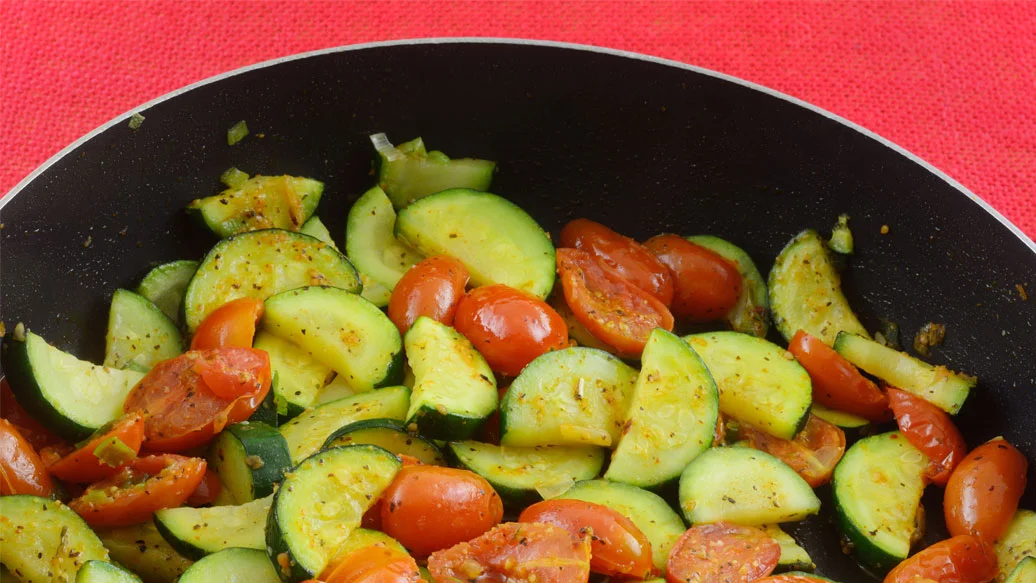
{"x":954,"y":82}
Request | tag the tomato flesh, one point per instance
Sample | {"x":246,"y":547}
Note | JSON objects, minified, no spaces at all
{"x":32,"y":430}
{"x":232,"y":324}
{"x":838,"y":384}
{"x":983,"y":492}
{"x":509,"y":327}
{"x":207,"y":491}
{"x":374,"y":564}
{"x":611,"y":308}
{"x":813,"y":454}
{"x":961,"y":559}
{"x":931,"y":430}
{"x":722,"y":553}
{"x":515,"y":552}
{"x":617,"y":546}
{"x":21,"y":469}
{"x":84,"y":466}
{"x":431,"y":288}
{"x":706,"y":286}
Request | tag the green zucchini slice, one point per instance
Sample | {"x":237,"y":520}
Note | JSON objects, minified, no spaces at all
{"x":233,"y":565}
{"x":1017,"y":542}
{"x":839,"y":418}
{"x":793,"y":557}
{"x":300,"y":376}
{"x":1023,"y":572}
{"x":139,"y":333}
{"x":370,"y":241}
{"x":141,"y":549}
{"x":250,"y":459}
{"x":389,"y":434}
{"x":95,"y":571}
{"x":751,"y":314}
{"x":408,"y":172}
{"x":196,"y":532}
{"x":261,"y":202}
{"x":44,"y":540}
{"x":373,"y":291}
{"x":165,"y":285}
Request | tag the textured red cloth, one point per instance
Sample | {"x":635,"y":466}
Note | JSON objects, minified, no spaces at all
{"x":953,"y":82}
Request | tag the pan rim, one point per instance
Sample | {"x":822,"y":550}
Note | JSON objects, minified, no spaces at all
{"x":974,"y":198}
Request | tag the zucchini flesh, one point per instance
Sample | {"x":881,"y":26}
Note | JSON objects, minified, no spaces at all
{"x":250,"y":459}
{"x":672,"y":415}
{"x":408,"y":172}
{"x":388,"y":434}
{"x":759,"y":382}
{"x":95,"y":571}
{"x":143,"y":550}
{"x":1017,"y":542}
{"x":261,"y":202}
{"x":44,"y":540}
{"x":1023,"y":572}
{"x":260,"y":264}
{"x":751,"y":314}
{"x":139,"y":333}
{"x":72,"y":397}
{"x":315,"y":228}
{"x":196,"y":532}
{"x":877,"y":488}
{"x":234,"y":565}
{"x":454,"y":388}
{"x":806,"y":291}
{"x":521,"y":474}
{"x":321,"y":502}
{"x":362,"y":538}
{"x":793,"y":557}
{"x":342,"y":331}
{"x":306,"y":433}
{"x":370,"y":241}
{"x":648,"y":511}
{"x":744,"y":486}
{"x":839,"y":418}
{"x":300,"y":376}
{"x":936,"y":384}
{"x":574,"y":396}
{"x":164,"y":285}
{"x":373,"y":291}
{"x":497,"y":241}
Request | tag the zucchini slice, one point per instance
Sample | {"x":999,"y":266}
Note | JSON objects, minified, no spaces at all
{"x":250,"y":459}
{"x":408,"y":172}
{"x":839,"y":418}
{"x":877,"y":488}
{"x":321,"y":503}
{"x":521,"y":475}
{"x":573,"y":396}
{"x":388,"y":434}
{"x":841,"y":240}
{"x":751,"y":314}
{"x":1023,"y":572}
{"x":196,"y":532}
{"x":362,"y":538}
{"x":744,"y":486}
{"x":672,"y":415}
{"x":44,"y":540}
{"x":495,"y":239}
{"x":260,"y":264}
{"x":72,"y":397}
{"x":936,"y":384}
{"x":806,"y":291}
{"x":300,"y":376}
{"x":370,"y":241}
{"x":164,"y":285}
{"x":454,"y":388}
{"x":373,"y":291}
{"x":306,"y":433}
{"x":341,"y":330}
{"x":1017,"y":542}
{"x":261,"y":202}
{"x":95,"y":571}
{"x":759,"y":382}
{"x":141,"y":549}
{"x":315,"y":228}
{"x":648,"y":511}
{"x":234,"y":565}
{"x":793,"y":557}
{"x":139,"y":333}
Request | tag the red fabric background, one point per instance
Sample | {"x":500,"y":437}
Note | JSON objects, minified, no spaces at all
{"x":954,"y":82}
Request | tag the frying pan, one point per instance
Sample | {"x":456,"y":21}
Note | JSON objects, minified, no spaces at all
{"x":640,"y":144}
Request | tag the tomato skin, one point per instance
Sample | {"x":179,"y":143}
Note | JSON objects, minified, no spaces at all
{"x":187,"y":400}
{"x":207,"y":491}
{"x":32,"y":430}
{"x":21,"y":469}
{"x":706,"y":286}
{"x":509,"y":327}
{"x":836,"y":382}
{"x":431,"y":288}
{"x":83,"y":467}
{"x":961,"y":559}
{"x":611,"y":308}
{"x":518,"y":552}
{"x":428,"y":508}
{"x":374,"y":564}
{"x":631,"y":259}
{"x":813,"y":454}
{"x":982,"y":494}
{"x":232,"y":324}
{"x":617,"y":546}
{"x":133,"y":494}
{"x":931,"y":430}
{"x":722,"y":553}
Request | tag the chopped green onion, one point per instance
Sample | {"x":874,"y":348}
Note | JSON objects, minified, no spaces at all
{"x":135,"y":121}
{"x":841,"y":237}
{"x":236,"y":133}
{"x":113,"y":452}
{"x":233,"y":177}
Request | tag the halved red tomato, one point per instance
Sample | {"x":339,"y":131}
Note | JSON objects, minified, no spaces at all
{"x":374,"y":564}
{"x":108,"y":449}
{"x":431,"y":288}
{"x":32,"y":430}
{"x":961,"y":559}
{"x":706,"y":286}
{"x":813,"y":453}
{"x":931,"y":430}
{"x":207,"y":491}
{"x":721,"y":553}
{"x":982,"y":494}
{"x":232,"y":324}
{"x":21,"y":469}
{"x":836,"y":382}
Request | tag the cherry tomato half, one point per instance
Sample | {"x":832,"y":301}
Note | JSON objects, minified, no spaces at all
{"x":187,"y":400}
{"x":791,"y":578}
{"x":983,"y":492}
{"x":813,"y":454}
{"x":430,"y":288}
{"x":232,"y":324}
{"x":90,"y":463}
{"x":528,"y":551}
{"x":631,"y":259}
{"x":931,"y":430}
{"x":961,"y":559}
{"x":611,"y":308}
{"x":428,"y":508}
{"x":836,"y":382}
{"x":32,"y":430}
{"x":509,"y":327}
{"x":617,"y":546}
{"x":722,"y":552}
{"x":375,"y":564}
{"x":133,"y":494}
{"x":21,"y":469}
{"x":207,"y":491}
{"x":706,"y":286}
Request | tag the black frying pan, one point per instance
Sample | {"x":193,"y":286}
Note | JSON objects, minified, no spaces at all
{"x":639,"y":144}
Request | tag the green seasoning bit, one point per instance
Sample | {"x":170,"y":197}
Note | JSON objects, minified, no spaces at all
{"x":135,"y":121}
{"x":113,"y":452}
{"x":236,"y":133}
{"x":841,"y":237}
{"x":233,"y":177}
